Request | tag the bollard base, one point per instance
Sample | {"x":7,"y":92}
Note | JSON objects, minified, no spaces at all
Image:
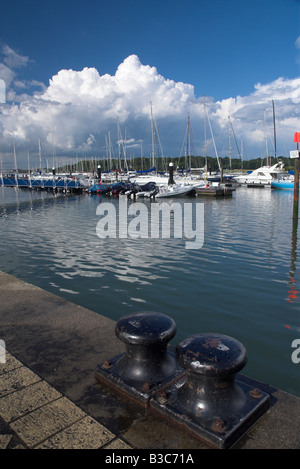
{"x":215,"y":431}
{"x":141,"y":392}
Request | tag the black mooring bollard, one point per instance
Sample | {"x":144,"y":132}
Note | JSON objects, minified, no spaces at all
{"x":148,"y":364}
{"x":171,"y":177}
{"x":99,"y":172}
{"x":210,"y":401}
{"x":211,"y":362}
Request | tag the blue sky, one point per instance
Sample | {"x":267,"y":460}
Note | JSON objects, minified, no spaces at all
{"x":240,"y":55}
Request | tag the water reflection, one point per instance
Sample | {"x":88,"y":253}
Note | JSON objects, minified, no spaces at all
{"x":15,"y":200}
{"x":235,"y":284}
{"x":293,"y":292}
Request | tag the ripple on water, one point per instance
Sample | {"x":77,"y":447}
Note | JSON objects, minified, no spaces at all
{"x":243,"y":282}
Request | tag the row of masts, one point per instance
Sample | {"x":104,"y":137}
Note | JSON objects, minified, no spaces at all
{"x":122,"y":148}
{"x":188,"y":136}
{"x":157,"y":153}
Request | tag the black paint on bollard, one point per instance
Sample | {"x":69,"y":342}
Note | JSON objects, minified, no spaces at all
{"x":171,"y":177}
{"x":99,"y":172}
{"x":209,"y":401}
{"x":148,"y":364}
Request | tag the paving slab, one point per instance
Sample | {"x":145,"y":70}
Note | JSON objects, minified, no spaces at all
{"x":84,"y":434}
{"x":16,"y":380}
{"x":17,"y":404}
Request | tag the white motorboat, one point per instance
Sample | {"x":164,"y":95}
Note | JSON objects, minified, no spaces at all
{"x":174,"y":191}
{"x":263,"y":175}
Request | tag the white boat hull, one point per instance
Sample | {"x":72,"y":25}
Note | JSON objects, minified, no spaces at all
{"x":264,"y":175}
{"x":174,"y":192}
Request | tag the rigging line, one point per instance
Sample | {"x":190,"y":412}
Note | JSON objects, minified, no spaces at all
{"x":183,"y":143}
{"x":191,"y":144}
{"x":157,"y":143}
{"x":162,"y":153}
{"x":124,"y":150}
{"x":269,"y":134}
{"x":205,"y":142}
{"x":235,"y":139}
{"x":194,"y":144}
{"x":274,"y":129}
{"x":153,"y":137}
{"x":214,"y":142}
{"x":267,"y":130}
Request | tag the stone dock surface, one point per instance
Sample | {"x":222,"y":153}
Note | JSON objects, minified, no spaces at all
{"x":50,"y":399}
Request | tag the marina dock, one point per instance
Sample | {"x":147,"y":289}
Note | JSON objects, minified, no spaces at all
{"x":214,"y":191}
{"x":79,"y":185}
{"x":259,"y":186}
{"x":49,"y":397}
{"x":50,"y":183}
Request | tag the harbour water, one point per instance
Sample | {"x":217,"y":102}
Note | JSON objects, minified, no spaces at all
{"x":243,"y":281}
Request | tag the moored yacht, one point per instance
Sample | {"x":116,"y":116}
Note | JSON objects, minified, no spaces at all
{"x":175,"y":191}
{"x":263,"y":175}
{"x":285,"y":183}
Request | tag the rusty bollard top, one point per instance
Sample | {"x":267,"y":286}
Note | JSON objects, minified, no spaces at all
{"x":145,"y":329}
{"x":211,"y":355}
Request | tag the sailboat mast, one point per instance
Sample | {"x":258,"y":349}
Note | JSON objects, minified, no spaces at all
{"x":40,"y":155}
{"x":205,"y":142}
{"x":124,"y":152}
{"x":274,"y":126}
{"x":16,"y":167}
{"x":266,"y":137}
{"x":119,"y":143}
{"x":229,"y":132}
{"x":142,"y":155}
{"x":214,"y":143}
{"x":242,"y":152}
{"x":153,"y":143}
{"x":1,"y":159}
{"x":15,"y":158}
{"x":188,"y":144}
{"x":109,"y":149}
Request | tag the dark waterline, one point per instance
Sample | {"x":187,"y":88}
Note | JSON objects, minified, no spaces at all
{"x":243,"y":282}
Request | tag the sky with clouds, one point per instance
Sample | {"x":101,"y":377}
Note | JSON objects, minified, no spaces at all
{"x":73,"y":74}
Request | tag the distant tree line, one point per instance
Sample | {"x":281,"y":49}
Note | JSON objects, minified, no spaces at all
{"x":180,"y":163}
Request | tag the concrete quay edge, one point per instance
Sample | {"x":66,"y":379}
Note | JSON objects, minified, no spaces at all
{"x":49,"y":398}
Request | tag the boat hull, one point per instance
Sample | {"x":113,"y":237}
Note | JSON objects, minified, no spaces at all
{"x":283,"y":185}
{"x":181,"y":192}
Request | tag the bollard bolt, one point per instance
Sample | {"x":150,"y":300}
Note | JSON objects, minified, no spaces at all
{"x":106,"y":364}
{"x":255,"y":393}
{"x":210,"y":401}
{"x":148,"y":364}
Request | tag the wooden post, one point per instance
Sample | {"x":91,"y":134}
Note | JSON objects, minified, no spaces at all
{"x":296,"y":179}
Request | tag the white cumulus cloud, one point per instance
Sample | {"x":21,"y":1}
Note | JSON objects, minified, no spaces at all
{"x":78,"y":109}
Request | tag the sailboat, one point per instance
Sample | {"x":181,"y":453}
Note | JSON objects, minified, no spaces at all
{"x":265,"y":175}
{"x":213,"y":177}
